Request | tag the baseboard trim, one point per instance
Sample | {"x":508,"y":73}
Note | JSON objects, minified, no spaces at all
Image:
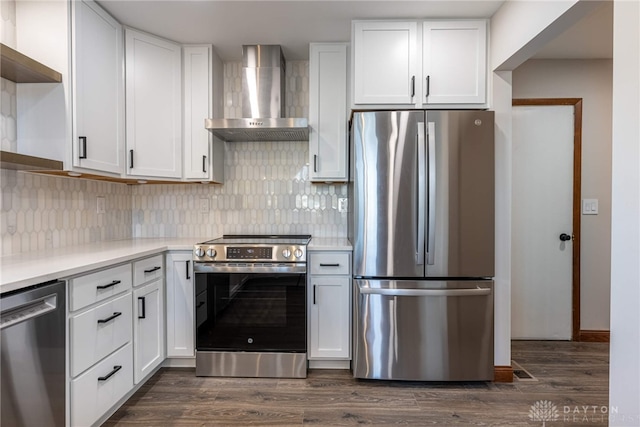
{"x":503,"y":374}
{"x":593,"y":336}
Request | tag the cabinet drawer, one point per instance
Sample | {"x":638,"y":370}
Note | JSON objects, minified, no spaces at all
{"x":95,"y":392}
{"x":99,"y":331}
{"x":330,"y":263}
{"x":91,"y":288}
{"x":148,"y":269}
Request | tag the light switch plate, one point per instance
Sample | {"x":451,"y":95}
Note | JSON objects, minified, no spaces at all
{"x":343,"y":204}
{"x":589,"y":206}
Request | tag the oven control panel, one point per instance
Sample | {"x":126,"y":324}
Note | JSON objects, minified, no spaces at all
{"x":249,"y":253}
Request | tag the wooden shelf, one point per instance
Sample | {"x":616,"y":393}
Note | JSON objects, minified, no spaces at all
{"x":22,"y":69}
{"x":9,"y":160}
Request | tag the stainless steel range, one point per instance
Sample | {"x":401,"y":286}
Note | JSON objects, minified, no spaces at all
{"x":251,"y":306}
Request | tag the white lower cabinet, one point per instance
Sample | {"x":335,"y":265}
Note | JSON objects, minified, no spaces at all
{"x":100,"y":342}
{"x":116,"y":335}
{"x":329,"y":313}
{"x":148,"y":319}
{"x":97,"y":390}
{"x":180,"y":305}
{"x":97,"y":332}
{"x":148,"y":329}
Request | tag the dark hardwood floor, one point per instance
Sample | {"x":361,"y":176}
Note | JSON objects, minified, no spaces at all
{"x":570,"y":382}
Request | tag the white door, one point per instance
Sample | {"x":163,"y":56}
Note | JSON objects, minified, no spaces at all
{"x":541,"y":287}
{"x":328,"y":303}
{"x":180,"y":309}
{"x":328,"y":111}
{"x":454,"y":62}
{"x":153,"y":101}
{"x":98,"y":87}
{"x":385,"y":62}
{"x":148,"y":329}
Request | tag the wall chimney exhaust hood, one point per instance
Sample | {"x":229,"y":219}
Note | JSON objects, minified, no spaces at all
{"x":263,"y":94}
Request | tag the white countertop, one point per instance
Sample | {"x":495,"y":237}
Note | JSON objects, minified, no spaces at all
{"x":30,"y":268}
{"x":329,"y":244}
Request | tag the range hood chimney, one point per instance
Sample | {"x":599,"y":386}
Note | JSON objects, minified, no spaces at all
{"x":263,"y":95}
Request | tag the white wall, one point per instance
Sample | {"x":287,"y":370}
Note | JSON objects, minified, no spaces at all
{"x":518,"y":29}
{"x":624,"y":371}
{"x":590,"y":80}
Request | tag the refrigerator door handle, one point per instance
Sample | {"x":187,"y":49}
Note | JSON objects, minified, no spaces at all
{"x":425,"y":292}
{"x":431,"y":156}
{"x":421,"y":194}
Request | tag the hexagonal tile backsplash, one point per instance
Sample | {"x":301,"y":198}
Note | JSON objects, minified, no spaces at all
{"x":266,"y":190}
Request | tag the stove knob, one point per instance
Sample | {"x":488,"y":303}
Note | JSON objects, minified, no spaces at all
{"x":298,"y":252}
{"x":199,"y":252}
{"x":211,"y":252}
{"x":286,"y":252}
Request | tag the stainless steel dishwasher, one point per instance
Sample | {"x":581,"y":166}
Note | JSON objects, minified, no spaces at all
{"x":32,"y":330}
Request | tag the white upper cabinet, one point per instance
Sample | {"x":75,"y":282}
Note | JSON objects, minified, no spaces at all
{"x":454,"y":62}
{"x":98,"y":87}
{"x":328,"y":112}
{"x":437,"y":64}
{"x":203,"y":74}
{"x":153,"y":105}
{"x":81,"y":120}
{"x":385,"y":62}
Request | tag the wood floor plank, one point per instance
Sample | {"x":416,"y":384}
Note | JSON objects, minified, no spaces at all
{"x":570,"y":375}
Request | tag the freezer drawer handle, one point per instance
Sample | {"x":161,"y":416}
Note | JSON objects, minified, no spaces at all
{"x":115,"y":282}
{"x":426,"y":292}
{"x":110,"y":318}
{"x":110,"y":374}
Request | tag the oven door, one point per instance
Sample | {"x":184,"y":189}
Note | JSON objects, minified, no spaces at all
{"x":250,"y":311}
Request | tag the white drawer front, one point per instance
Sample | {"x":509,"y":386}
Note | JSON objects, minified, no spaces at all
{"x":148,"y":269}
{"x":91,"y":397}
{"x":94,"y":287}
{"x":330,"y":263}
{"x":99,"y":331}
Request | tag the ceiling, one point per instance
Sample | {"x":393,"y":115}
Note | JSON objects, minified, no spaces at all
{"x":228,"y":24}
{"x":590,"y":38}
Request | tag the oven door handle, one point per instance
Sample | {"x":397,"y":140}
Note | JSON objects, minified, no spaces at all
{"x":226,"y":267}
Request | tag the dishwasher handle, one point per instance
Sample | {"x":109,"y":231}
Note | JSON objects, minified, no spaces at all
{"x":477,"y":291}
{"x":29,"y":310}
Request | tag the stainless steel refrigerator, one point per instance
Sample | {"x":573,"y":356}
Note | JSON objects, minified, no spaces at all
{"x":421,"y":221}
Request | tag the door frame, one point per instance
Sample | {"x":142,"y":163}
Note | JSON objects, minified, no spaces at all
{"x":577,"y":197}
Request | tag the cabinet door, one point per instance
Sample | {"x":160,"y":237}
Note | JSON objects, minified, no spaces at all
{"x":154,"y":106}
{"x":180,"y":307}
{"x":385,"y":62}
{"x":454,"y":62}
{"x":329,"y":319}
{"x":98,"y":89}
{"x":148,"y":329}
{"x":197,"y":101}
{"x":328,"y":111}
